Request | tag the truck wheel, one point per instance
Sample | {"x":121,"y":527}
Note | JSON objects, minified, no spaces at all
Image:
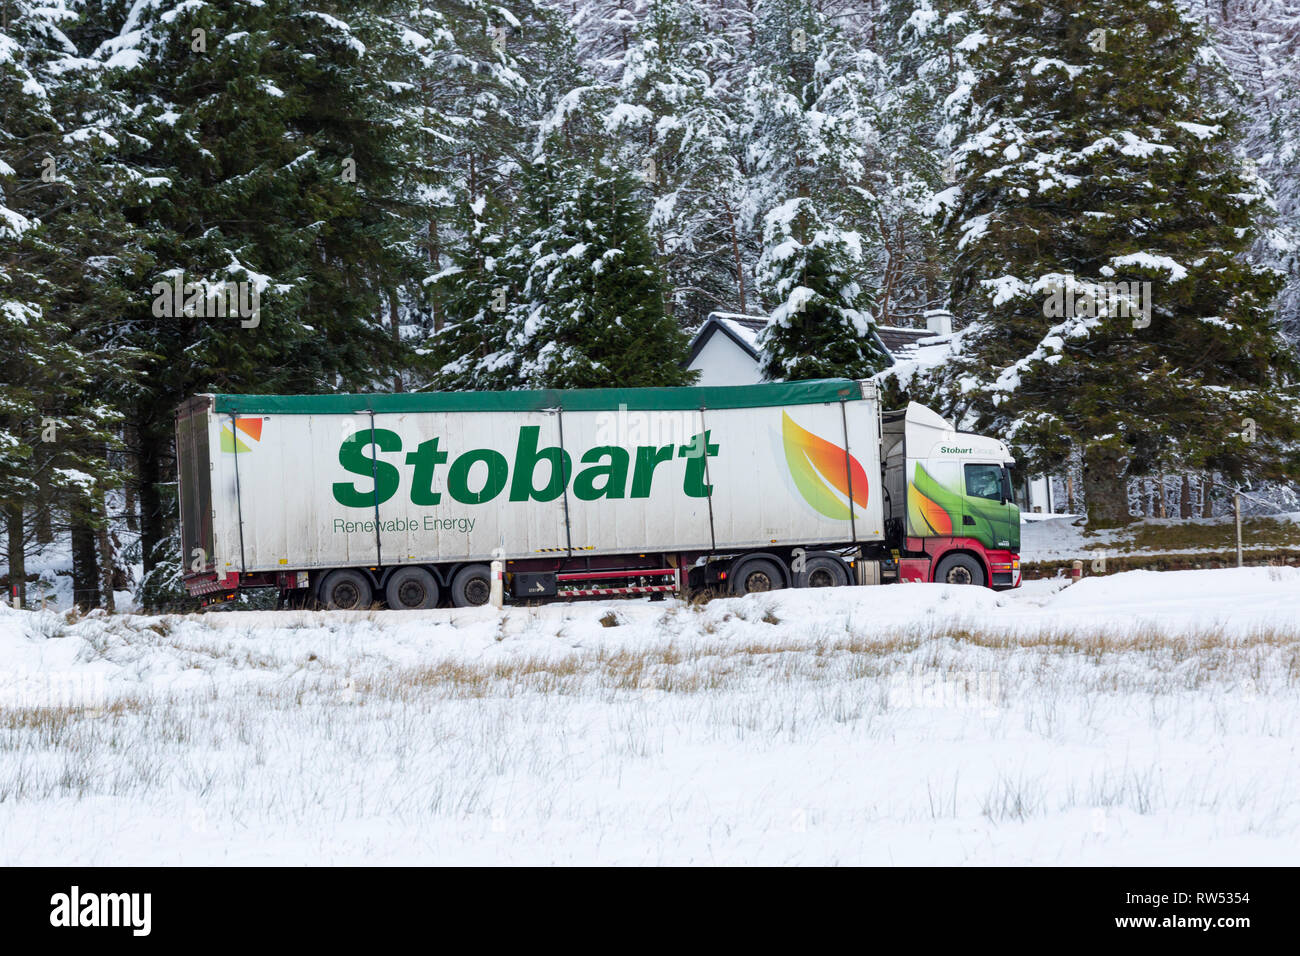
{"x":346,"y":590}
{"x":822,"y":571}
{"x":471,"y":586}
{"x":411,"y":589}
{"x":959,"y":569}
{"x":755,"y":576}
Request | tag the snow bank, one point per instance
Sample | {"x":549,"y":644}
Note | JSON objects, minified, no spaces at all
{"x":1133,"y":717}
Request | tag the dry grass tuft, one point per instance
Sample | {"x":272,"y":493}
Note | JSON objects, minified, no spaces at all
{"x":1170,"y":662}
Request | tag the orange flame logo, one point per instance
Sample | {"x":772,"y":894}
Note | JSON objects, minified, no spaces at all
{"x":826,"y":475}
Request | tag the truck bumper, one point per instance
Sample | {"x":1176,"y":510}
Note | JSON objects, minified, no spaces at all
{"x":1004,"y":569}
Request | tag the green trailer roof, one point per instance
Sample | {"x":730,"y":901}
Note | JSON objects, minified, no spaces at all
{"x":811,"y":392}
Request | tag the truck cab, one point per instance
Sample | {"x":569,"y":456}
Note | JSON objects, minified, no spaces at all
{"x":951,"y":516}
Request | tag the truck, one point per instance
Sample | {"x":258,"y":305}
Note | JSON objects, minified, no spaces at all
{"x":411,"y":500}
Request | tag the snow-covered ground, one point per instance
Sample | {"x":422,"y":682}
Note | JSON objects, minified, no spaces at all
{"x":50,"y":578}
{"x":1136,"y":718}
{"x":1065,"y":537}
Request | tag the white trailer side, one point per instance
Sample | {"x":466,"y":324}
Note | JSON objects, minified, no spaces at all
{"x":311,"y":482}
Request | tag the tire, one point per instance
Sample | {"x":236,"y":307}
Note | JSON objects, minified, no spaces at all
{"x":346,"y":590}
{"x":756,"y":576}
{"x":959,"y":569}
{"x":822,"y":571}
{"x":411,"y":589}
{"x":472,"y":586}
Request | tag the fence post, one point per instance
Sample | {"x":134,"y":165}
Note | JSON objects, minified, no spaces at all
{"x":1236,"y":507}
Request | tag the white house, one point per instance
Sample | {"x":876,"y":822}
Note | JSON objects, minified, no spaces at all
{"x":725,"y":352}
{"x":725,"y":349}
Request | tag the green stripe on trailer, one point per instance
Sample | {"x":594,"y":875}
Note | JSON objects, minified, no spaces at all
{"x":812,"y":392}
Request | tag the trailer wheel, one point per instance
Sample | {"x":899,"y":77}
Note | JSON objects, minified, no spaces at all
{"x":959,"y":569}
{"x":411,"y":589}
{"x":471,"y":586}
{"x":822,"y":571}
{"x":756,"y":575}
{"x":346,"y":590}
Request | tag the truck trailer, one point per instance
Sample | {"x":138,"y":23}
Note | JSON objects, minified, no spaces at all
{"x":407,"y":499}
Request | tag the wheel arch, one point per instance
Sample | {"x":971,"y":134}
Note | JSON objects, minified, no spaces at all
{"x":434,"y":569}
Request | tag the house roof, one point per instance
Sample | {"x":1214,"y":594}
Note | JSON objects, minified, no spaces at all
{"x":753,"y":323}
{"x":914,"y":350}
{"x":897,"y":343}
{"x":741,"y":329}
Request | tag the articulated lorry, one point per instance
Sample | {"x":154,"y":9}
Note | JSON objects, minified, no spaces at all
{"x":406,"y":500}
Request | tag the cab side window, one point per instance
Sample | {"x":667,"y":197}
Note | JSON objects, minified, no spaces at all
{"x":984,"y":481}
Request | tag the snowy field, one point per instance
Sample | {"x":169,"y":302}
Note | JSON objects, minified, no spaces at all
{"x":1060,"y":538}
{"x":1141,"y":718}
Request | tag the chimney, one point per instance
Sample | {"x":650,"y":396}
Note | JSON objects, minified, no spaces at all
{"x":938,"y":321}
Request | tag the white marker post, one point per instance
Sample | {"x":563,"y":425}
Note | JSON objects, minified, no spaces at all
{"x":498,"y":595}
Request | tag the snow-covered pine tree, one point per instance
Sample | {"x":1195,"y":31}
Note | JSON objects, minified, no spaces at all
{"x":557,"y":284}
{"x":485,"y":214}
{"x":591,"y":310}
{"x":25,"y":118}
{"x":603,"y":30}
{"x":822,"y":327}
{"x":921,"y":67}
{"x":95,"y":262}
{"x":809,"y":124}
{"x":63,"y":254}
{"x":477,"y":69}
{"x":1260,"y":43}
{"x":471,"y":349}
{"x":1097,"y":152}
{"x":272,"y":138}
{"x":677,"y":129}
